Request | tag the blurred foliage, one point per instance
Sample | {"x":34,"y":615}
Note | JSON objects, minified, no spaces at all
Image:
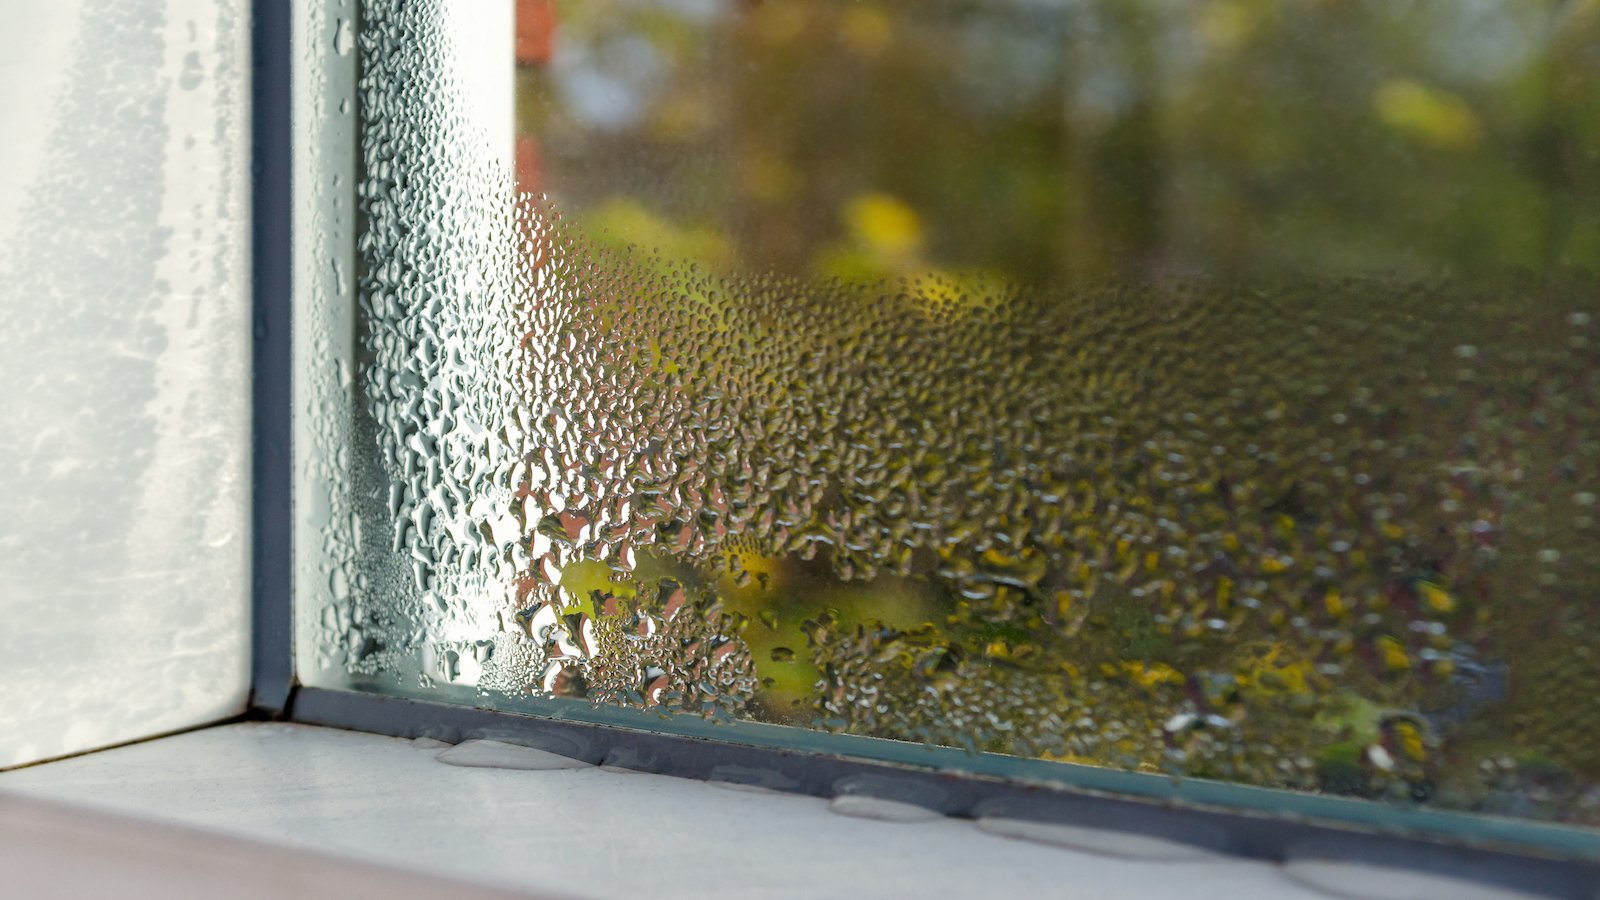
{"x":1082,"y":138}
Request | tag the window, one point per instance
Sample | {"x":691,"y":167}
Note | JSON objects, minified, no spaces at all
{"x":1196,"y":390}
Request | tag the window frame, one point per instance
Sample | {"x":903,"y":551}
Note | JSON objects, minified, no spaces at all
{"x":296,"y":158}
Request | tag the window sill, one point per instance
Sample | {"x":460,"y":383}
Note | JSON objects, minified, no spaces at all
{"x":388,"y":806}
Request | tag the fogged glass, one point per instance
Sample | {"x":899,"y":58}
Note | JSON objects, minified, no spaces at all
{"x":1196,"y":388}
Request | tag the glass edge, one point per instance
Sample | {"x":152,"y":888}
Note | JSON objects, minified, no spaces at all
{"x":316,"y":143}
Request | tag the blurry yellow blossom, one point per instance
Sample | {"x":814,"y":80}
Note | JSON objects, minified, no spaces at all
{"x":1276,"y":672}
{"x":1436,"y":597}
{"x":1431,"y":115}
{"x":1393,"y":654}
{"x":885,"y":224}
{"x":1150,"y":675}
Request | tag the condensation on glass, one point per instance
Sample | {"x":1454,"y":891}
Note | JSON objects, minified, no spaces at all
{"x":124,"y":371}
{"x":1194,"y":388}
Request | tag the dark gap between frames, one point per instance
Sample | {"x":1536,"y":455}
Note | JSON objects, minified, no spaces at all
{"x":272,"y":260}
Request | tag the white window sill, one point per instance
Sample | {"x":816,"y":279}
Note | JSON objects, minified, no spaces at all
{"x":316,"y":810}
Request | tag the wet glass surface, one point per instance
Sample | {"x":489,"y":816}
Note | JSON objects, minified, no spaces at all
{"x":1195,"y":388}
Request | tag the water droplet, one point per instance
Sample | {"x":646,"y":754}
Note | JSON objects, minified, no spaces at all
{"x":487,"y":754}
{"x":344,"y":39}
{"x":192,"y":73}
{"x":860,"y":806}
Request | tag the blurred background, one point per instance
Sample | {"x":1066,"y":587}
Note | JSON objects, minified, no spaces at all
{"x":1041,"y":139}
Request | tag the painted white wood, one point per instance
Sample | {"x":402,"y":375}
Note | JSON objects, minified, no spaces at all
{"x":586,"y":832}
{"x":124,"y":370}
{"x":50,"y":850}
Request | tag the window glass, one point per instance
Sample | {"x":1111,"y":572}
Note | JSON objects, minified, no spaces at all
{"x":1194,"y":388}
